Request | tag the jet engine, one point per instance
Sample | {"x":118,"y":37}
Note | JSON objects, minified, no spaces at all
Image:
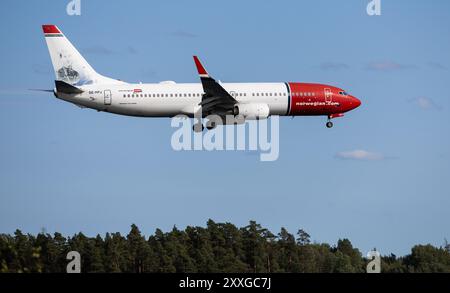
{"x":252,"y":111}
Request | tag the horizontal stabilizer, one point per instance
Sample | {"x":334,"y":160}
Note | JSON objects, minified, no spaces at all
{"x":65,"y":88}
{"x":41,"y":90}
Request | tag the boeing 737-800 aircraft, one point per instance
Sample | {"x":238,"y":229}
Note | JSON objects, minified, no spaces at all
{"x":77,"y":82}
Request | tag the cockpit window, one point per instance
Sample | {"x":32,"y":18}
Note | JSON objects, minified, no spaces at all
{"x":343,"y":93}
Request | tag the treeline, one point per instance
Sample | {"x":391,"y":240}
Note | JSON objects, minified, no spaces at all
{"x":220,"y":247}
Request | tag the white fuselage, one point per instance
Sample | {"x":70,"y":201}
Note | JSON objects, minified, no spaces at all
{"x":168,"y":99}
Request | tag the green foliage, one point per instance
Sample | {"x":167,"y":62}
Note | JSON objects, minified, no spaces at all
{"x":219,"y":247}
{"x":428,"y":259}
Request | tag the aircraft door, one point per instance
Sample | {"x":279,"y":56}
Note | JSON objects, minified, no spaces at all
{"x":108,"y":97}
{"x":328,"y":95}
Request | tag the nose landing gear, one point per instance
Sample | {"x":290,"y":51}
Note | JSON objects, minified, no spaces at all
{"x":332,"y":116}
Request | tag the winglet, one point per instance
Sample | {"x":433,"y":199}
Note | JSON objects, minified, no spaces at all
{"x":201,"y":70}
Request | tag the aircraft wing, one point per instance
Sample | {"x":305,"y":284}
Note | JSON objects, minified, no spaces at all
{"x":216,"y":99}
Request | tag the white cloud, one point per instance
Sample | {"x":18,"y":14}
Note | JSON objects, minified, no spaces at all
{"x":437,"y":65}
{"x":183,"y":34}
{"x":425,"y":103}
{"x":360,"y":155}
{"x":387,"y":66}
{"x":333,"y":66}
{"x":97,"y":50}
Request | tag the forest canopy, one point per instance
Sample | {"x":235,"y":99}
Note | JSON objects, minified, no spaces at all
{"x":216,"y":248}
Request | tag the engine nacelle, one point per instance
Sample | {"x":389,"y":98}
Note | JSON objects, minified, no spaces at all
{"x":252,"y":111}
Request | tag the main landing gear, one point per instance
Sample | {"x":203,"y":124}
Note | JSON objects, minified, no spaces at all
{"x":198,"y":127}
{"x":210,"y":125}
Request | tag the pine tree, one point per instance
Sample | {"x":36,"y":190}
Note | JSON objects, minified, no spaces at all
{"x":141,"y":256}
{"x":303,"y":237}
{"x":288,"y":251}
{"x":345,"y":247}
{"x":254,"y":247}
{"x":165,"y":261}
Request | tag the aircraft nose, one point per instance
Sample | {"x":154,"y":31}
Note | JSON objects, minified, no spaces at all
{"x":356,"y":102}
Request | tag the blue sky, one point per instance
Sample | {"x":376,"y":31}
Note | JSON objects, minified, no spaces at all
{"x":66,"y":169}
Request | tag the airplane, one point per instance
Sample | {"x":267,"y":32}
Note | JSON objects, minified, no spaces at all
{"x":78,"y":83}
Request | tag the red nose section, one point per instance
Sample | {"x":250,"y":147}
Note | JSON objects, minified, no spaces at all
{"x":356,"y":101}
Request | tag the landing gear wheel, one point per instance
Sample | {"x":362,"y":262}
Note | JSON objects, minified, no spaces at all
{"x":198,"y":127}
{"x":211,"y":125}
{"x":330,"y":124}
